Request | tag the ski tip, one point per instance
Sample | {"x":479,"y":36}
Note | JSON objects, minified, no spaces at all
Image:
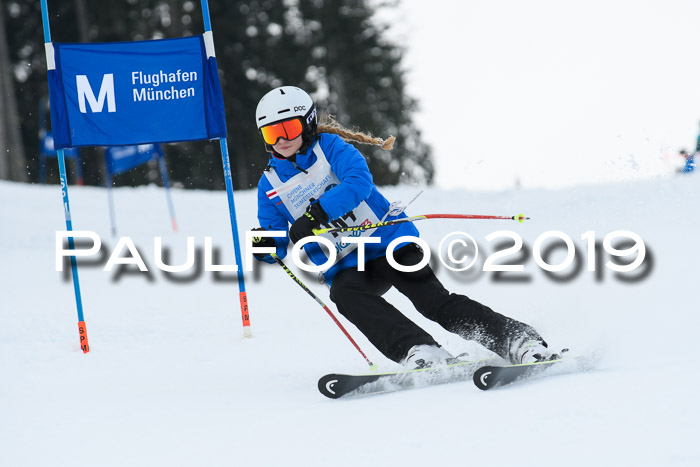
{"x":327,"y":386}
{"x":481,"y":377}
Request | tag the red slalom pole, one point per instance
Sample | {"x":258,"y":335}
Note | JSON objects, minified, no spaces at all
{"x":520,"y":218}
{"x":320,"y":302}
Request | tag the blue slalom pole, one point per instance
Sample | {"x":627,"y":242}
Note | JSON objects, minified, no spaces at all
{"x":45,"y":21}
{"x":245,"y":315}
{"x":66,"y":208}
{"x":78,"y":169}
{"x":166,"y":184}
{"x":110,"y":201}
{"x":42,"y":133}
{"x":205,"y":15}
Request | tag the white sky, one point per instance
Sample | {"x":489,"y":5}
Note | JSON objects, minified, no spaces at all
{"x":550,"y":93}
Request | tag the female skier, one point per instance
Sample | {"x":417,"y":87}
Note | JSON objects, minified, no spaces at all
{"x":315,"y":178}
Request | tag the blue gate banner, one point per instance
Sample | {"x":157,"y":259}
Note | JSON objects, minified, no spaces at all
{"x":119,"y":159}
{"x":127,"y":93}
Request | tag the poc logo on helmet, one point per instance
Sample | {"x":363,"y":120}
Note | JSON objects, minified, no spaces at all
{"x":299,"y":107}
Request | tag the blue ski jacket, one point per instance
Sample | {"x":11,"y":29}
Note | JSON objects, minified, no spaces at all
{"x":356,"y":185}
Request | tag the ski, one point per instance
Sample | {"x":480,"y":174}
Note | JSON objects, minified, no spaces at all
{"x":492,"y":376}
{"x":336,"y":385}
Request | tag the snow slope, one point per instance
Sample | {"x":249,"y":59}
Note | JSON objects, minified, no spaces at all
{"x":171,"y":381}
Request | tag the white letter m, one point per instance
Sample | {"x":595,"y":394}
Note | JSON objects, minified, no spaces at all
{"x":106,"y":89}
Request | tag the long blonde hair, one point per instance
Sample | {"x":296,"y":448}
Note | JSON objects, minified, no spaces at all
{"x":328,"y":124}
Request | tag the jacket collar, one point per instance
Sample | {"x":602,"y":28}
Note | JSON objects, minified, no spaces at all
{"x":303,"y":160}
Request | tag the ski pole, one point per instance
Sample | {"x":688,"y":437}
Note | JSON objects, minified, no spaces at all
{"x":320,"y":302}
{"x":520,"y":218}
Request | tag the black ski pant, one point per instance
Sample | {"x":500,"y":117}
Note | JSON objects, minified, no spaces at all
{"x":358,"y":296}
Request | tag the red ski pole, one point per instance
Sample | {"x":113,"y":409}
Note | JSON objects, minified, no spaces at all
{"x":320,"y":302}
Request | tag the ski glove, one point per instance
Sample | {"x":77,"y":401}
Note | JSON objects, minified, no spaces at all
{"x":263,"y":242}
{"x":312,"y":219}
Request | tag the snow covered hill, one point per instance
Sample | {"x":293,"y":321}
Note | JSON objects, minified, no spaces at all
{"x":170,"y":380}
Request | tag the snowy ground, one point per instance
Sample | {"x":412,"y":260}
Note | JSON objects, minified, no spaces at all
{"x":170,"y":381}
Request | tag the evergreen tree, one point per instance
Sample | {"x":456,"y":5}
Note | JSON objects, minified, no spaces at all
{"x":359,"y":71}
{"x":12,"y":166}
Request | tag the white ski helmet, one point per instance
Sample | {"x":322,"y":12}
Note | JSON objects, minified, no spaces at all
{"x":286,"y":103}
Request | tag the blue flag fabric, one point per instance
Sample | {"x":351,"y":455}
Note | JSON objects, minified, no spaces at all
{"x":119,"y":159}
{"x":128,"y":93}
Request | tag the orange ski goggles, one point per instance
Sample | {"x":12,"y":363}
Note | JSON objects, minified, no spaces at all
{"x":288,"y":129}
